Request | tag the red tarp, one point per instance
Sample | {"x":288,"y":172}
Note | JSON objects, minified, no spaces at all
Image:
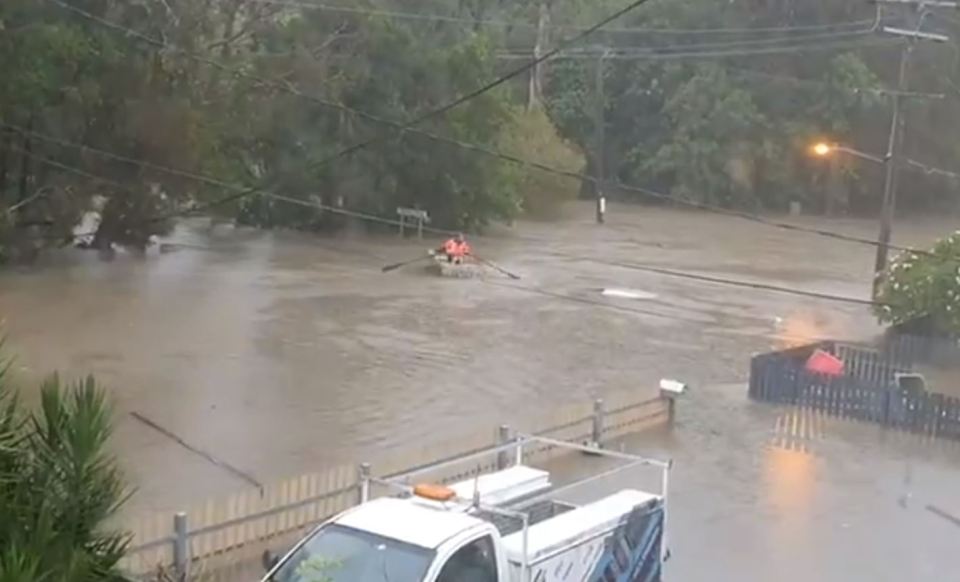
{"x":821,"y":362}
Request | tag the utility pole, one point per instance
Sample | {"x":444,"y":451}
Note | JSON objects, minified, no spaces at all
{"x":917,"y":14}
{"x":889,"y":204}
{"x":535,"y":91}
{"x":599,"y":122}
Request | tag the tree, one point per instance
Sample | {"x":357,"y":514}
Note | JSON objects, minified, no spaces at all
{"x":58,"y":487}
{"x":211,"y":88}
{"x":710,"y":156}
{"x":532,"y":136}
{"x":924,"y":287}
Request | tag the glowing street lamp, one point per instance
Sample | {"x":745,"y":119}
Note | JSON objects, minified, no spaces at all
{"x":824,"y":149}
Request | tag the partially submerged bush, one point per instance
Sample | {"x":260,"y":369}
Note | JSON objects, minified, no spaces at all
{"x":924,"y":286}
{"x":534,"y":137}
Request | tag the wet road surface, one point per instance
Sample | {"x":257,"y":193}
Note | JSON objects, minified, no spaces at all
{"x":759,"y":492}
{"x":277,"y":352}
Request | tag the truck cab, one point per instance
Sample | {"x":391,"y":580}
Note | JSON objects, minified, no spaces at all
{"x":499,"y":527}
{"x":397,"y":541}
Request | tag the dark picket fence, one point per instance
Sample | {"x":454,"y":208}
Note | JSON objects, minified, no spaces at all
{"x":868,"y":391}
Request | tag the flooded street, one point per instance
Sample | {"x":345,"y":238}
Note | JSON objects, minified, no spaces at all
{"x":767,"y":493}
{"x":274,"y":353}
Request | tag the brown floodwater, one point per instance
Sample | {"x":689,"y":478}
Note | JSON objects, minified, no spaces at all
{"x":276,"y":352}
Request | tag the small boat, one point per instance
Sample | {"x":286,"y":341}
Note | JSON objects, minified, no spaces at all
{"x":466,"y":269}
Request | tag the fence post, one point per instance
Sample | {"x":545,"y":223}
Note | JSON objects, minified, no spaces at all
{"x":181,"y":547}
{"x":363,"y":478}
{"x":887,"y":397}
{"x":597,"y":432}
{"x":503,"y":437}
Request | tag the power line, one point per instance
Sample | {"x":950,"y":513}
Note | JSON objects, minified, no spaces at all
{"x":677,"y":55}
{"x":931,"y":170}
{"x":752,"y":42}
{"x":528,"y":289}
{"x":651,"y":268}
{"x":242,"y":190}
{"x":645,"y":191}
{"x":373,"y":218}
{"x":288,"y":88}
{"x":761,"y":220}
{"x":823,"y":84}
{"x":66,"y":168}
{"x":646,"y":312}
{"x":531,"y":26}
{"x":710,"y":46}
{"x":239,"y":188}
{"x":436,"y":112}
{"x":726,"y":281}
{"x":241,"y":193}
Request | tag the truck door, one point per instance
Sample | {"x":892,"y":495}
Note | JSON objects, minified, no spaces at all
{"x":474,"y":562}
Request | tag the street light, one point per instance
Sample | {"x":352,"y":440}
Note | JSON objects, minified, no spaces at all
{"x":824,"y":149}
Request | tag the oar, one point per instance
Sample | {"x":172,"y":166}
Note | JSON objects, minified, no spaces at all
{"x":396,"y":266}
{"x":497,"y":267}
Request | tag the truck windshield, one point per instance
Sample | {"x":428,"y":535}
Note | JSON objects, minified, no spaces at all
{"x":341,"y":554}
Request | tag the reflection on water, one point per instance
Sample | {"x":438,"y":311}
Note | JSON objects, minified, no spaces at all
{"x":761,"y":492}
{"x":790,"y":477}
{"x":796,"y":427}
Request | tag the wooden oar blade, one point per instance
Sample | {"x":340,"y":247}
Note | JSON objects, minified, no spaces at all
{"x":497,"y":267}
{"x":396,"y":266}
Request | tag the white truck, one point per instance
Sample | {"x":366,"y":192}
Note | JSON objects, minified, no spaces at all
{"x":504,"y":526}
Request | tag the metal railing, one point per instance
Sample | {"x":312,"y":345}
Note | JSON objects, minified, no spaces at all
{"x":236,"y":529}
{"x":515,"y":447}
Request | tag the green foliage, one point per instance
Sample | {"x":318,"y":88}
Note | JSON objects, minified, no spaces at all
{"x":389,"y":69}
{"x":924,"y":287}
{"x":724,"y":130}
{"x":736,"y":131}
{"x":714,"y":125}
{"x":532,"y":136}
{"x":58,"y":487}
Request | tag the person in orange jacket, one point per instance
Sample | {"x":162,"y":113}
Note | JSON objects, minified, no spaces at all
{"x":455,"y":249}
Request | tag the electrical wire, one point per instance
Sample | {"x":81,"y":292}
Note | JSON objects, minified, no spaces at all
{"x":731,"y":44}
{"x":931,"y":170}
{"x":699,"y":47}
{"x":531,"y":26}
{"x":646,"y":312}
{"x":723,"y":280}
{"x":645,"y":267}
{"x":381,"y":220}
{"x":66,"y":168}
{"x":288,"y":88}
{"x":191,"y":176}
{"x":241,"y":193}
{"x":242,"y":190}
{"x":438,"y":112}
{"x":883,"y":92}
{"x":678,"y":55}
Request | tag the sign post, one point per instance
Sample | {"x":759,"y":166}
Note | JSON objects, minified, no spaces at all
{"x":419,"y":216}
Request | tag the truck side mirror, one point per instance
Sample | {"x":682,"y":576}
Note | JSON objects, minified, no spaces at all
{"x":269,"y":560}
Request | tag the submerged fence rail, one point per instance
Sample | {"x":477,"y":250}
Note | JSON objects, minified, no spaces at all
{"x":869,"y":390}
{"x":224,"y":538}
